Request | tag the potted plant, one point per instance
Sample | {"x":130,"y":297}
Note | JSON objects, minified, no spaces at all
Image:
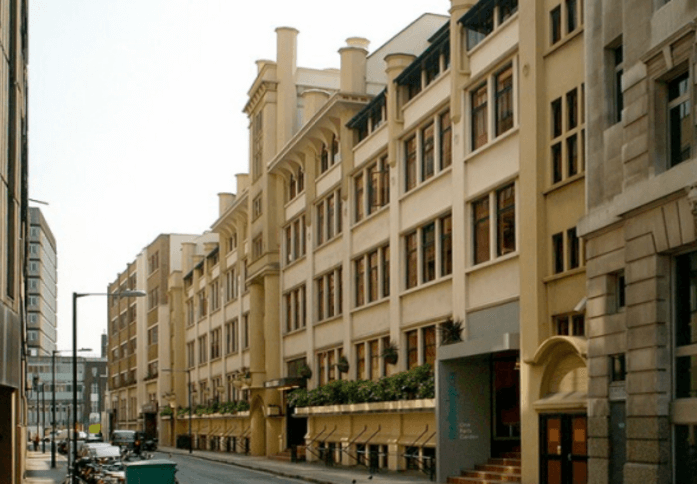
{"x":450,"y":331}
{"x":391,"y":353}
{"x":342,"y":365}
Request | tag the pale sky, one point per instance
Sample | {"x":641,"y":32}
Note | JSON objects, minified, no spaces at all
{"x":136,"y":123}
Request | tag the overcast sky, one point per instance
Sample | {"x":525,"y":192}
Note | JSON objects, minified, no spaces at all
{"x":136,"y":123}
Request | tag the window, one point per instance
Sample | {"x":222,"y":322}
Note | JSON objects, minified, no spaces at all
{"x":428,"y":245}
{"x":618,"y":368}
{"x":504,"y":224}
{"x":328,"y":217}
{"x":215,"y":343}
{"x":360,"y":361}
{"x":410,"y":163}
{"x":152,"y":337}
{"x":428,"y":340}
{"x":215,"y":295}
{"x":412,"y":347}
{"x":256,"y":207}
{"x":504,"y":100}
{"x":245,"y":330}
{"x":616,"y":291}
{"x":190,"y":354}
{"x":618,"y":97}
{"x":479,"y":117}
{"x":574,"y":248}
{"x":679,"y":119}
{"x":190,"y":311}
{"x":570,"y":325}
{"x":446,"y":245}
{"x":558,"y":250}
{"x":479,"y":28}
{"x":505,"y":220}
{"x":153,"y":299}
{"x":385,"y":253}
{"x":360,"y":281}
{"x":427,"y":152}
{"x":153,"y":263}
{"x":567,"y":138}
{"x":412,"y":255}
{"x":295,"y":235}
{"x":480,"y":209}
{"x":373,"y":276}
{"x":506,"y":9}
{"x":376,"y":177}
{"x":202,"y":303}
{"x":258,"y":246}
{"x":555,"y":24}
{"x":257,"y":144}
{"x":296,"y":183}
{"x":359,"y":194}
{"x":446,"y":141}
{"x":231,"y":337}
{"x":203,"y":349}
{"x":295,"y":310}
{"x":231,"y":289}
{"x":571,"y":16}
{"x":328,"y":294}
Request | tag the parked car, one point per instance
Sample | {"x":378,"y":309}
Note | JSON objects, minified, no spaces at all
{"x":124,"y":438}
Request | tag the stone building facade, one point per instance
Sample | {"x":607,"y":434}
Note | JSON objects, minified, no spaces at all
{"x":641,"y":244}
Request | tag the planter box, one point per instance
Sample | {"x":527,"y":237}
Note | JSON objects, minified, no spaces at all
{"x":400,"y":406}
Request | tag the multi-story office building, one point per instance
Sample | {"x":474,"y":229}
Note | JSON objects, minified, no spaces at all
{"x":275,"y":295}
{"x":641,"y":241}
{"x":140,"y":330}
{"x":91,"y":387}
{"x":13,"y":236}
{"x":41,"y":286}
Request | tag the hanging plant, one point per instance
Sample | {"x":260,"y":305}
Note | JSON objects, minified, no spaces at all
{"x":304,"y":371}
{"x":391,"y":353}
{"x":342,"y":365}
{"x":450,"y":331}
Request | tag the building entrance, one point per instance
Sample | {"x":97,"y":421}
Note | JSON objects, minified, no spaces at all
{"x":563,"y":449}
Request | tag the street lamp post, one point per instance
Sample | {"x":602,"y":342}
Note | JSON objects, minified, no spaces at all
{"x":76,"y":295}
{"x":43,"y":417}
{"x":188,"y":384}
{"x":53,"y":404}
{"x":35,"y":386}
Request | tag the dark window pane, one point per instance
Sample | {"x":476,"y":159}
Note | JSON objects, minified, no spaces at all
{"x":428,"y":243}
{"x":558,"y":252}
{"x":504,"y":100}
{"x":410,"y":163}
{"x":557,"y":171}
{"x":480,"y":210}
{"x":479,"y":118}
{"x":572,"y":155}
{"x":686,"y":299}
{"x":446,"y":150}
{"x":427,"y":152}
{"x":556,"y":118}
{"x":505,"y":199}
{"x":555,"y":24}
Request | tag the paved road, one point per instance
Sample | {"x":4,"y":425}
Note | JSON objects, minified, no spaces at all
{"x":192,"y":470}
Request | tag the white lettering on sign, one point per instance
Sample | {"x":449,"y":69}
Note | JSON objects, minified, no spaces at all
{"x":465,"y":431}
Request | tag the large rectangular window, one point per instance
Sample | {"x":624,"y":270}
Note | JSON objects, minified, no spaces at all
{"x":411,"y":259}
{"x":504,"y":100}
{"x":446,"y":142}
{"x":480,"y":209}
{"x":427,"y":152}
{"x":428,"y":244}
{"x":412,"y":339}
{"x":360,"y":282}
{"x":681,"y":130}
{"x":410,"y":163}
{"x":479,"y":117}
{"x":505,"y":220}
{"x":446,"y":245}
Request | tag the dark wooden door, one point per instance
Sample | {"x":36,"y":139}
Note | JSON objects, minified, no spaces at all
{"x":563,"y":449}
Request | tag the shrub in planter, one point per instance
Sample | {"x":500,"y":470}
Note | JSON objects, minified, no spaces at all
{"x":166,"y":411}
{"x":182,"y":411}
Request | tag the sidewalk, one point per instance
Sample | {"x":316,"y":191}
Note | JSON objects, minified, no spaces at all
{"x":39,"y":468}
{"x":311,"y":472}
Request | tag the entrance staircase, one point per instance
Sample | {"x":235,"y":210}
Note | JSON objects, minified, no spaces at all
{"x":285,"y":455}
{"x":500,"y":470}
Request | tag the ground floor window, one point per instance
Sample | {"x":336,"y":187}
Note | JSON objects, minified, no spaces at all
{"x":686,"y":454}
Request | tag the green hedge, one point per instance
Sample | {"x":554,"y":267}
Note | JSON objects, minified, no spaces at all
{"x":414,"y":384}
{"x":225,"y":408}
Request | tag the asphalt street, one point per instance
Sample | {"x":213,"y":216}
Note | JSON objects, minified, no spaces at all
{"x":192,"y":470}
